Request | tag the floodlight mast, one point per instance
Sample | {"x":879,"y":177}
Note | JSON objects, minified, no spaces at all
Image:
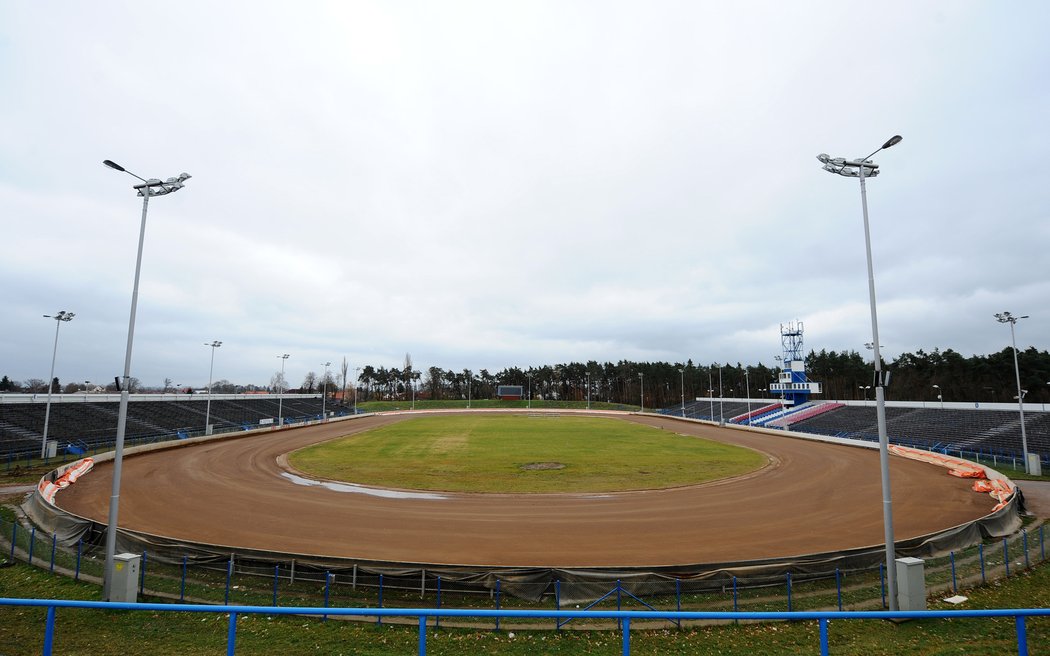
{"x":59,"y":317}
{"x":862,"y":168}
{"x":1006,"y":317}
{"x":148,"y":188}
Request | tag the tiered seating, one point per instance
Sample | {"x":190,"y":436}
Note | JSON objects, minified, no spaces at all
{"x":803,"y":413}
{"x":755,"y":414}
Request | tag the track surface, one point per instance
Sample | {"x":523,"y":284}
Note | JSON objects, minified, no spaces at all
{"x":814,"y":497}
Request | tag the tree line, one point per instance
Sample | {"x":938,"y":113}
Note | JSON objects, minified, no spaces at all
{"x":846,"y":375}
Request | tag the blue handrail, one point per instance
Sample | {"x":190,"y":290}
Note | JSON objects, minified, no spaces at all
{"x":623,"y":616}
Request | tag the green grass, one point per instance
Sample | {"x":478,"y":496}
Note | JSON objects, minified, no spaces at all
{"x":475,"y":404}
{"x":486,"y":453}
{"x":105,"y":633}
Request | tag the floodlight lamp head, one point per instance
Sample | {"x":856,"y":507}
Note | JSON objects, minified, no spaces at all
{"x":893,"y":141}
{"x":823,"y":157}
{"x":113,"y":165}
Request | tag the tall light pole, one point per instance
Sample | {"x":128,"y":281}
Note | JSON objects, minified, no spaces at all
{"x":59,"y":317}
{"x":148,"y":188}
{"x":721,"y":395}
{"x":940,"y":395}
{"x":681,"y":375}
{"x":528,"y":403}
{"x":207,"y":412}
{"x":468,"y":376}
{"x":747,"y":385}
{"x":280,"y":392}
{"x":711,"y":392}
{"x":641,"y":384}
{"x":357,"y":379}
{"x":588,"y":390}
{"x":1006,"y":317}
{"x":862,"y":168}
{"x":324,"y":388}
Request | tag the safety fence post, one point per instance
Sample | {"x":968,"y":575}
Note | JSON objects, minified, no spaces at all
{"x":626,"y":636}
{"x":422,"y":635}
{"x":49,"y":631}
{"x":54,"y":545}
{"x":618,"y":608}
{"x":1024,"y":542}
{"x":735,"y":608}
{"x":379,"y":618}
{"x":80,"y":550}
{"x":951,"y":556}
{"x":678,"y":596}
{"x":823,"y":622}
{"x":980,"y":556}
{"x":32,"y":543}
{"x":882,"y":583}
{"x":182,"y":582}
{"x":838,"y":585}
{"x":276,"y":576}
{"x":231,"y":635}
{"x":437,"y":620}
{"x":557,"y":603}
{"x":1022,"y":636}
{"x":497,"y":602}
{"x":142,"y":573}
{"x":789,"y":590}
{"x":1006,"y":558}
{"x":229,"y":575}
{"x":327,"y":587}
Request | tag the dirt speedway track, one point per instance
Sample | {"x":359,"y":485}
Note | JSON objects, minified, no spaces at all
{"x":814,"y":497}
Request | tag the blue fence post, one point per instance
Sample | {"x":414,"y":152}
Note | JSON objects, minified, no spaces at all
{"x":142,"y":573}
{"x":734,"y":595}
{"x":229,"y":575}
{"x":557,"y":603}
{"x":32,"y":543}
{"x":231,"y":635}
{"x":49,"y":631}
{"x":789,"y":590}
{"x":276,"y":576}
{"x":437,"y":620}
{"x":678,"y":597}
{"x":823,"y":636}
{"x":497,"y":602}
{"x":327,"y":588}
{"x":951,"y":556}
{"x":182,"y":584}
{"x":1024,"y":542}
{"x":980,"y":555}
{"x":1006,"y":558}
{"x":838,"y":585}
{"x":422,"y":635}
{"x":379,"y":618}
{"x":54,"y":546}
{"x":80,"y":549}
{"x":882,"y":583}
{"x":1022,"y":636}
{"x":619,"y":623}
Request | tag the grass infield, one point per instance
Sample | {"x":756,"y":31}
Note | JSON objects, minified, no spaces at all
{"x":523,"y":454}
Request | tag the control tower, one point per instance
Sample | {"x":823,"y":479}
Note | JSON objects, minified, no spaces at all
{"x":792,"y":384}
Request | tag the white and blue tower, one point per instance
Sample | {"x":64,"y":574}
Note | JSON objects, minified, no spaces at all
{"x":792,"y":384}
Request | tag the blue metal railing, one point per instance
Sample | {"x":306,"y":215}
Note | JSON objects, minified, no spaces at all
{"x":623,"y":617}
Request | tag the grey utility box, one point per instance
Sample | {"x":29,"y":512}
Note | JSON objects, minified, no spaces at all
{"x":1035,"y":467}
{"x":911,"y":583}
{"x":51,"y":449}
{"x":125,"y":586}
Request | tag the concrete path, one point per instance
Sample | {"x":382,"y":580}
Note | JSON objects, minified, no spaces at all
{"x":1036,"y":497}
{"x":15,"y":489}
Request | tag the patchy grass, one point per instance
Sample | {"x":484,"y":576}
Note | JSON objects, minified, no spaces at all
{"x":104,"y":633}
{"x":522,"y":454}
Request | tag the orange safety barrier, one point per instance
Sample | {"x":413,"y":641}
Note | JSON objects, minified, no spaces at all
{"x":999,"y":489}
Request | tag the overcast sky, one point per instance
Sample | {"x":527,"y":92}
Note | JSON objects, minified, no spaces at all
{"x":496,"y":184}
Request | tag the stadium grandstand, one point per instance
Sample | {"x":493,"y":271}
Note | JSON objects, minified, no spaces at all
{"x":87,"y":422}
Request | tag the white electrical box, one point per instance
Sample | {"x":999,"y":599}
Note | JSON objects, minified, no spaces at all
{"x":125,"y":585}
{"x":911,"y":583}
